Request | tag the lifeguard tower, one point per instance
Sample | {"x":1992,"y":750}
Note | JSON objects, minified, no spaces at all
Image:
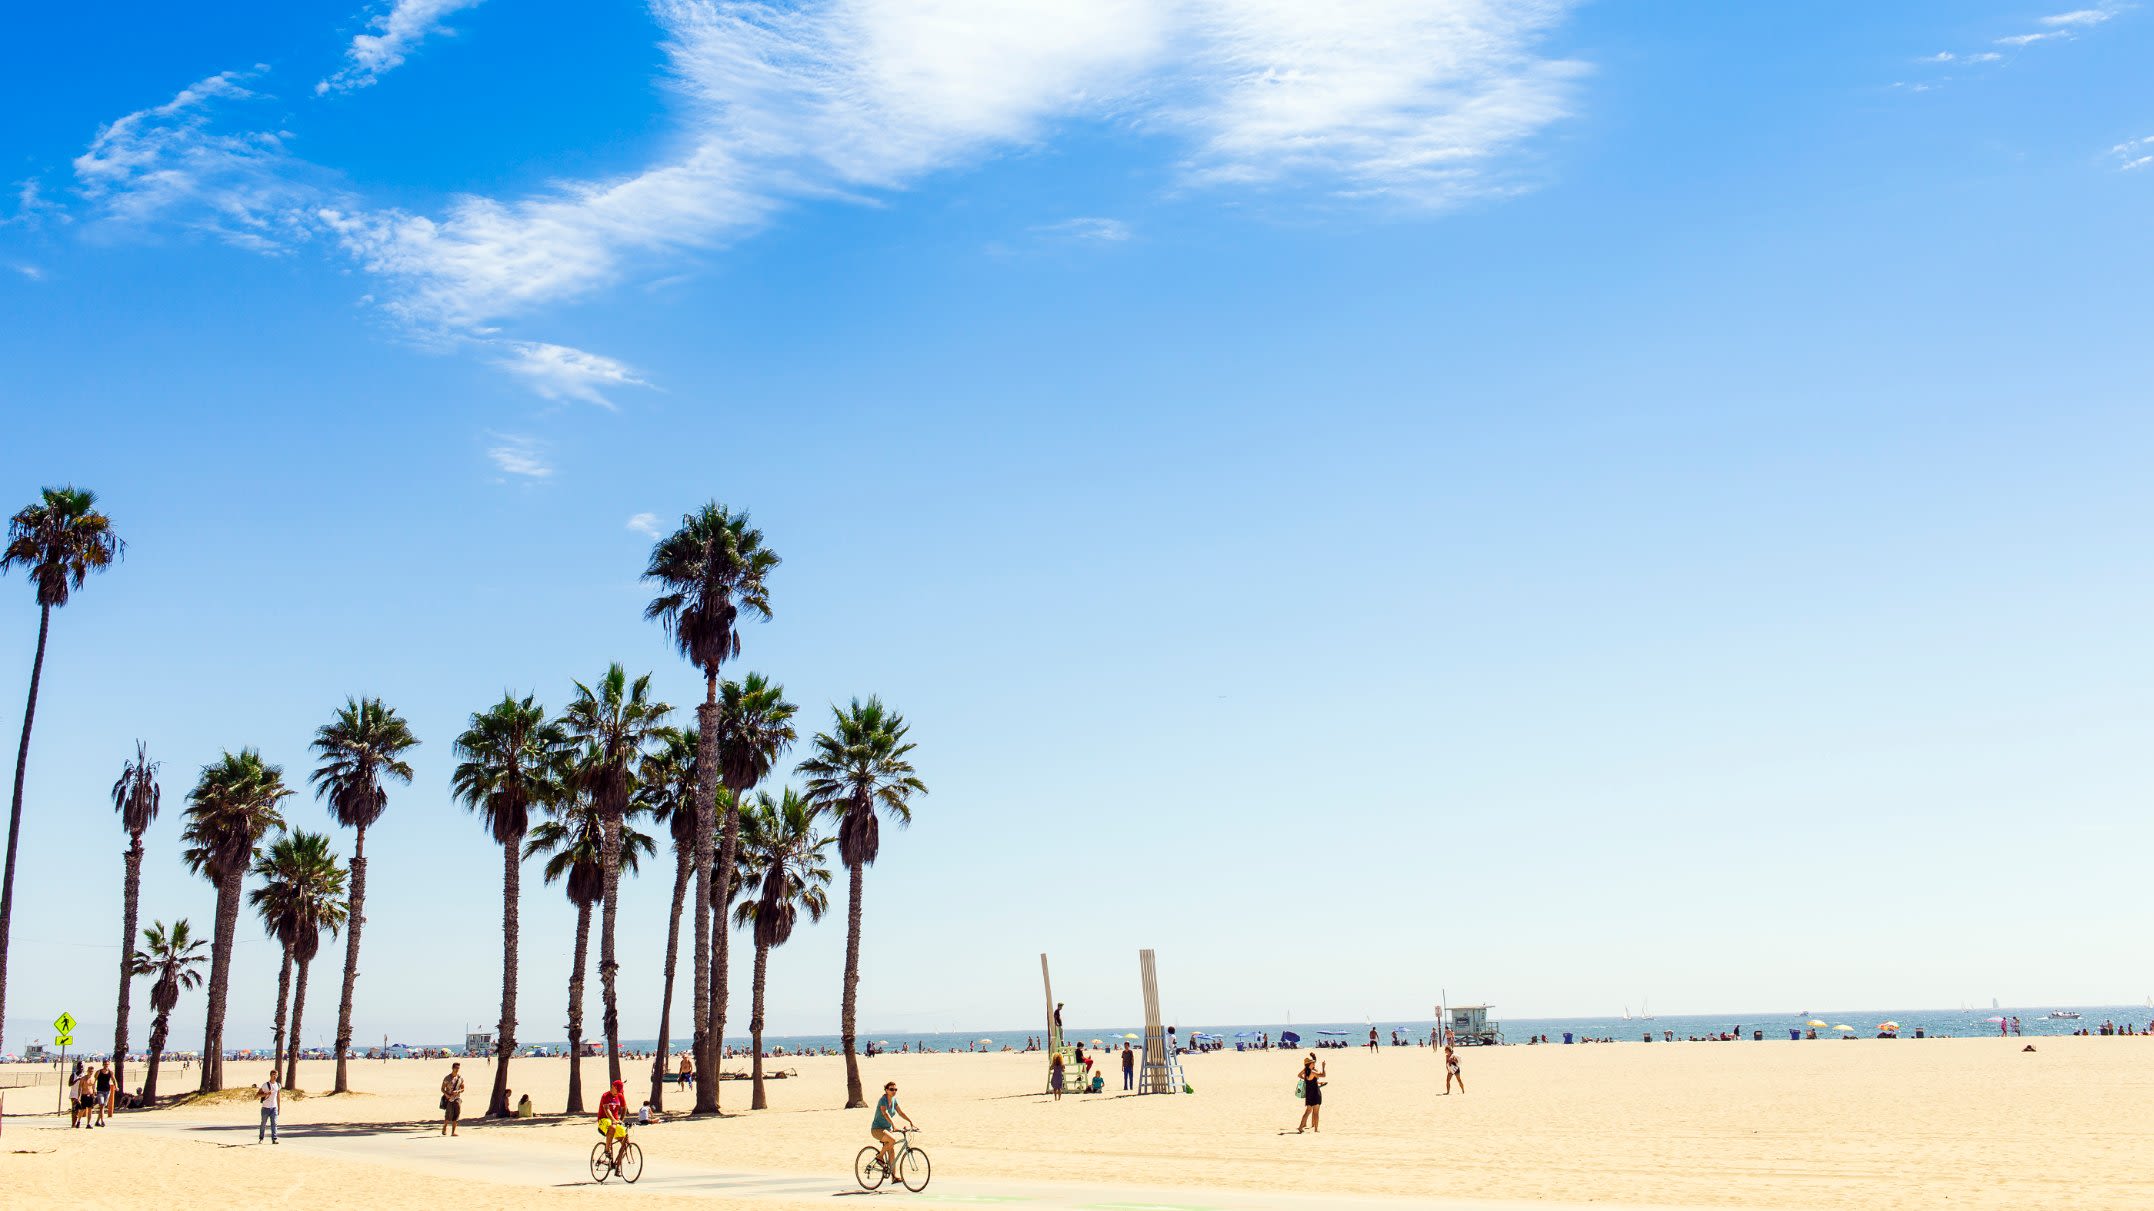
{"x":1468,"y":1026}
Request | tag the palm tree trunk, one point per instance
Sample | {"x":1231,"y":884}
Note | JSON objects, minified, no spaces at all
{"x":681,"y":863}
{"x":755,"y":1026}
{"x":722,"y":898}
{"x":220,"y":976}
{"x":609,"y":968}
{"x":575,"y":1010}
{"x":706,"y":806}
{"x":512,"y":880}
{"x":132,"y":899}
{"x":299,"y":1009}
{"x":160,"y":1027}
{"x":284,"y":993}
{"x":220,"y":982}
{"x":14,"y":813}
{"x":352,"y":925}
{"x":847,"y":1026}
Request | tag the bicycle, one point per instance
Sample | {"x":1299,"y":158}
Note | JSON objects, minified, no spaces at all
{"x":908,"y":1166}
{"x":629,"y":1167}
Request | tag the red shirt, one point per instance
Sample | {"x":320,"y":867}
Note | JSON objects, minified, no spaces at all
{"x":612,"y":1105}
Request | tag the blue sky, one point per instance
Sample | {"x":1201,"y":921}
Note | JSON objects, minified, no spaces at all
{"x":1570,"y":503}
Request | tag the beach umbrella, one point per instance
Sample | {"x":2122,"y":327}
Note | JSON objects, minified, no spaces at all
{"x":1129,"y":1036}
{"x":1814,"y":1024}
{"x":1888,"y":1025}
{"x":1845,"y":1027}
{"x":1289,"y":1037}
{"x":987,"y":1040}
{"x":1993,"y":1021}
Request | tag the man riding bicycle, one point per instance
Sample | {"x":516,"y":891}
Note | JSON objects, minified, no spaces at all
{"x":612,"y":1122}
{"x":887,"y":1113}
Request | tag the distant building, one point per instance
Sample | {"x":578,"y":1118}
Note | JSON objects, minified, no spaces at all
{"x":479,"y":1044}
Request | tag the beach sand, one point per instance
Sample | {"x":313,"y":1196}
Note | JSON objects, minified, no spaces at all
{"x":1964,"y":1123}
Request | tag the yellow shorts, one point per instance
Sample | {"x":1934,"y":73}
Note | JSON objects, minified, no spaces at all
{"x":613,"y":1131}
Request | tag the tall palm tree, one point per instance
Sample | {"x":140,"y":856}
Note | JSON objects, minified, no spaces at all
{"x":60,"y":540}
{"x":358,"y":751}
{"x":711,"y":572}
{"x":780,"y":842}
{"x":302,"y":894}
{"x":755,"y":725}
{"x":860,"y":768}
{"x":508,"y":761}
{"x":136,"y":796}
{"x":666,"y":786}
{"x":573,"y":841}
{"x":232,"y":806}
{"x":614,"y":723}
{"x":170,"y":958}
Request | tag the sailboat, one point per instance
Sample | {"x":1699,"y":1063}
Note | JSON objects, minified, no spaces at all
{"x":1626,"y":1013}
{"x":1645,"y":1011}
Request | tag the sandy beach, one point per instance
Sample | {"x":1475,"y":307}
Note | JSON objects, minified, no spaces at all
{"x":1863,"y":1124}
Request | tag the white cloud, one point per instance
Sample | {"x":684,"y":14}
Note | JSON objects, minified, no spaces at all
{"x":1094,"y":230}
{"x":1988,"y":56}
{"x":520,"y":455}
{"x":166,"y":163}
{"x":2031,"y":39}
{"x":645,"y":523}
{"x":560,"y":372}
{"x":2134,"y":154}
{"x":32,"y":272}
{"x":1943,"y":56}
{"x":398,"y":32}
{"x":2080,"y":17}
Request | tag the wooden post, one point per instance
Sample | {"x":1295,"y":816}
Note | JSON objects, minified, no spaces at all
{"x":1154,"y":1078}
{"x":1054,"y":1031}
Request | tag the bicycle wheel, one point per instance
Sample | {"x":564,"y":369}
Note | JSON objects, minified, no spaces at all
{"x":631,"y":1162}
{"x":868,"y":1167}
{"x":601,"y":1168}
{"x":913,"y":1170}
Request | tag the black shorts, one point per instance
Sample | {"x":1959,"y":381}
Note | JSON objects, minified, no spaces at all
{"x":454,"y":1110}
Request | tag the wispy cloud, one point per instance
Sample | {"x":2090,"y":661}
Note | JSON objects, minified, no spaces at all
{"x":2031,"y":39}
{"x":2134,"y":154}
{"x":396,"y":33}
{"x":167,"y":164}
{"x":645,"y":523}
{"x":520,"y":455}
{"x":1087,"y":229}
{"x":2080,"y":17}
{"x":561,"y":372}
{"x":32,"y":272}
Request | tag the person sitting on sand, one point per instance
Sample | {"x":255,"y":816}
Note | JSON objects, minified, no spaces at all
{"x":523,"y":1107}
{"x":1451,"y":1073}
{"x":1099,"y":1083}
{"x":1312,"y":1095}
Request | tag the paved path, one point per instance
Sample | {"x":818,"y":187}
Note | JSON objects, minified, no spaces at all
{"x":495,"y":1156}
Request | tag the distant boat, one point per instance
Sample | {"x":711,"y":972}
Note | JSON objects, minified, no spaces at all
{"x":2064,"y":1015}
{"x":1626,"y":1013}
{"x":1645,"y":1011}
{"x":1993,"y":1003}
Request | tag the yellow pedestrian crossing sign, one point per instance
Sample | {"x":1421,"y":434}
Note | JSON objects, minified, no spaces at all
{"x":63,"y":1040}
{"x":65,"y":1023}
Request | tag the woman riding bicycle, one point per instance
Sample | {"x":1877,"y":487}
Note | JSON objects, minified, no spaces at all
{"x":887,"y":1113}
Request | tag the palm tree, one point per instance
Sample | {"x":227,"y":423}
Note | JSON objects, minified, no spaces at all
{"x":232,"y":806}
{"x":666,"y":786}
{"x":780,"y":841}
{"x":136,"y":797}
{"x":301,"y":895}
{"x":755,"y":725}
{"x":360,"y":749}
{"x":171,"y":957}
{"x":509,"y":761}
{"x":573,"y":841}
{"x":859,"y":767}
{"x":711,"y":571}
{"x":61,"y":540}
{"x":615,"y":724}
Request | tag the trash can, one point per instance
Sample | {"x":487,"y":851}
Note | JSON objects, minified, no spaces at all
{"x":1918,"y":1032}
{"x":1647,"y":1036}
{"x":1566,"y":1036}
{"x":1757,"y":1036}
{"x":1794,"y":1036}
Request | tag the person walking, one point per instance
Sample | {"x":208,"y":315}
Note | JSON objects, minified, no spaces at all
{"x":269,"y":1094}
{"x":1129,"y":1068}
{"x":1312,"y":1095}
{"x":1451,"y":1073}
{"x":104,"y":1093}
{"x":452,"y":1099}
{"x":81,"y":1097}
{"x":687,"y":1074}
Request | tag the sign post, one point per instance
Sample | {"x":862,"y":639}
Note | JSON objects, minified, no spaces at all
{"x":64,"y":1035}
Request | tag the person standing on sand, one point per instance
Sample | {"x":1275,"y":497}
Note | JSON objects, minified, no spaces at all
{"x":1451,"y":1073}
{"x":1312,"y":1095}
{"x":1054,"y":1075}
{"x":1129,"y":1068}
{"x":268,"y":1094}
{"x":687,"y":1074}
{"x":452,"y":1099}
{"x":79,"y":1097}
{"x":1372,"y":1038}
